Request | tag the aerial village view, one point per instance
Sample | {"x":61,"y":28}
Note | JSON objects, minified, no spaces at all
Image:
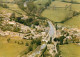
{"x":39,"y":28}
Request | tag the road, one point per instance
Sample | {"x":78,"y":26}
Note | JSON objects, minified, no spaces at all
{"x":38,"y":50}
{"x":52,"y":33}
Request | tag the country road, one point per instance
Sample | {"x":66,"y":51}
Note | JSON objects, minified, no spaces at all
{"x":38,"y":50}
{"x":52,"y":33}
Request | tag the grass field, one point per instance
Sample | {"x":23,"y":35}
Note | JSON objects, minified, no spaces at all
{"x":69,"y":0}
{"x":40,"y":3}
{"x":15,"y":8}
{"x":56,"y":15}
{"x":12,"y":8}
{"x":11,"y":49}
{"x":7,"y":0}
{"x":59,"y":15}
{"x":74,"y":22}
{"x":70,"y":50}
{"x":76,"y":7}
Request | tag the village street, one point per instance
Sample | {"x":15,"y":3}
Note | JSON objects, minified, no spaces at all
{"x":52,"y":33}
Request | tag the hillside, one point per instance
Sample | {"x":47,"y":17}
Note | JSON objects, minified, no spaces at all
{"x":12,"y":8}
{"x":58,"y":11}
{"x":39,"y":28}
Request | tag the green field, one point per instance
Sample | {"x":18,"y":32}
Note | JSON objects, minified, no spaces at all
{"x":70,"y":50}
{"x":40,"y":3}
{"x":58,"y":15}
{"x":11,"y":49}
{"x":69,"y":0}
{"x":74,"y":22}
{"x":13,"y":8}
{"x":7,"y":0}
{"x":76,"y":7}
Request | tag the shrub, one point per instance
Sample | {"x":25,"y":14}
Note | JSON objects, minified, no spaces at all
{"x":43,"y":18}
{"x":4,"y":5}
{"x":26,"y":44}
{"x":61,"y":40}
{"x":16,"y":29}
{"x":8,"y":40}
{"x":36,"y":23}
{"x":30,"y":48}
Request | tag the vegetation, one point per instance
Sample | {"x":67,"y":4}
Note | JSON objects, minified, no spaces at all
{"x":73,"y":22}
{"x":63,"y":12}
{"x":4,"y":5}
{"x":9,"y":27}
{"x":28,"y":22}
{"x":70,"y":50}
{"x":36,"y":41}
{"x":57,"y":13}
{"x":43,"y":52}
{"x":10,"y":48}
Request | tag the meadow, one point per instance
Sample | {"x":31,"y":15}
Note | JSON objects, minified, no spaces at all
{"x":13,"y":8}
{"x":58,"y":15}
{"x":11,"y":49}
{"x":73,"y":22}
{"x":69,"y":0}
{"x":7,"y":0}
{"x":70,"y":50}
{"x":40,"y":3}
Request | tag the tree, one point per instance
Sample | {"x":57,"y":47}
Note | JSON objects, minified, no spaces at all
{"x":73,"y":38}
{"x":8,"y":40}
{"x":12,"y":16}
{"x":16,"y":29}
{"x":61,"y":40}
{"x":38,"y":42}
{"x":56,"y":39}
{"x":30,"y":48}
{"x":26,"y":44}
{"x":66,"y":42}
{"x":36,"y":23}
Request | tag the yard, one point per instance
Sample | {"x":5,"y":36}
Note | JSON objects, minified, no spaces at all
{"x":70,"y":50}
